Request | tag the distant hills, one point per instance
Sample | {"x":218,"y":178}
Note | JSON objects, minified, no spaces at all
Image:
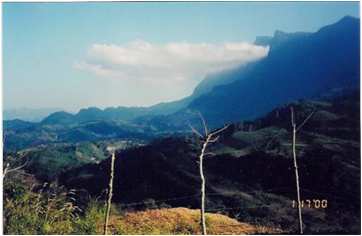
{"x":27,"y":114}
{"x":132,"y":113}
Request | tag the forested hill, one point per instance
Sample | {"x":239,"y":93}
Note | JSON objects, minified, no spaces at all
{"x":252,"y":166}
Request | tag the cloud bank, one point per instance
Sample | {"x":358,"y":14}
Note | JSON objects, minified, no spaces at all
{"x":148,"y":73}
{"x":175,"y":61}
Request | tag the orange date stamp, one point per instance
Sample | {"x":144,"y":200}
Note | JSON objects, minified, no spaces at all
{"x":311,"y":203}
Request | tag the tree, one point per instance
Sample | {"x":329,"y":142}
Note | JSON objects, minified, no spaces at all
{"x":207,"y":139}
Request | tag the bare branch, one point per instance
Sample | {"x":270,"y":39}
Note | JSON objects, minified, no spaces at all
{"x":305,"y":120}
{"x":204,"y":124}
{"x":195,"y":131}
{"x":219,"y":131}
{"x":273,"y":138}
{"x":8,"y":170}
{"x":214,"y":140}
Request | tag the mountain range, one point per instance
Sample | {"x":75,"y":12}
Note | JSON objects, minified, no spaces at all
{"x":299,"y":65}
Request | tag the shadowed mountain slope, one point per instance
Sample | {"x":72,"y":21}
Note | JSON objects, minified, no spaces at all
{"x":299,"y":65}
{"x":251,"y":176}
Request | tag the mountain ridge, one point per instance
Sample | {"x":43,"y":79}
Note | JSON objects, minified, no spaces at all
{"x":300,"y":66}
{"x":280,"y":42}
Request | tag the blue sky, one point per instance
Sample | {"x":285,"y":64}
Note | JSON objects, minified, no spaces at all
{"x":74,"y":55}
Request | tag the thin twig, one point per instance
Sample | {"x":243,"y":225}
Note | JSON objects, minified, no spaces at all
{"x":214,"y":139}
{"x":7,"y":171}
{"x":195,"y":131}
{"x":204,"y":124}
{"x":305,"y":121}
{"x":219,"y":130}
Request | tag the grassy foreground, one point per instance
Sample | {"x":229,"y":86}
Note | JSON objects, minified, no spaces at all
{"x":50,"y":209}
{"x":179,"y":221}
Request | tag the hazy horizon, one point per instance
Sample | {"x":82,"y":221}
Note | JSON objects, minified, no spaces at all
{"x":78,"y":55}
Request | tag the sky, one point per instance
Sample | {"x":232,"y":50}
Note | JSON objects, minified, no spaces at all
{"x":76,"y":55}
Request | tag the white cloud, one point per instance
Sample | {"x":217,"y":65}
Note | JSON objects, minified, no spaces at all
{"x":162,"y":72}
{"x":172,"y":61}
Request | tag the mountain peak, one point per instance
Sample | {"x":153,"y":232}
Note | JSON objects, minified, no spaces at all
{"x":345,"y":22}
{"x":279,"y":33}
{"x":58,"y":117}
{"x":348,"y":18}
{"x":90,"y":109}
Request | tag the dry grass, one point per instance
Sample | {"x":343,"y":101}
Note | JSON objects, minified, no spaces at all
{"x":181,"y":221}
